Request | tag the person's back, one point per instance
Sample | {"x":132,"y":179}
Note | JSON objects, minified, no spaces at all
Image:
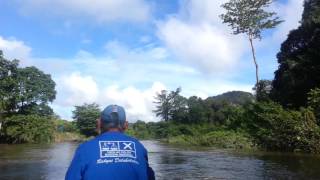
{"x":111,"y":155}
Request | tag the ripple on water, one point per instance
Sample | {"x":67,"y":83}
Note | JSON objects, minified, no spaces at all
{"x":169,"y":162}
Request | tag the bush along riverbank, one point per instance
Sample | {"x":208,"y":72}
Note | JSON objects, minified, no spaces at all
{"x":38,"y":129}
{"x":68,"y":137}
{"x":257,"y":125}
{"x":217,"y":139}
{"x":282,"y":115}
{"x":205,"y":135}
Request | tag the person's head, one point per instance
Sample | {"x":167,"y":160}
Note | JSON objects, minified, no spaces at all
{"x":113,"y":118}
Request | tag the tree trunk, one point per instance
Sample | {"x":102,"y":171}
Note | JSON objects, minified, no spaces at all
{"x":254,"y":60}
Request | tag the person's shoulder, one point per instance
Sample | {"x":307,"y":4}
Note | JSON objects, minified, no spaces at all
{"x":137,"y":142}
{"x":87,"y":144}
{"x":131,"y":138}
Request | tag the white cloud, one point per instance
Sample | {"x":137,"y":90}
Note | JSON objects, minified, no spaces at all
{"x":204,"y":46}
{"x":207,"y":11}
{"x":148,"y":52}
{"x":15,"y":49}
{"x":130,"y":77}
{"x":77,"y":89}
{"x":100,"y":11}
{"x":138,"y":103}
{"x":86,"y":41}
{"x":291,"y":13}
{"x":196,"y":36}
{"x":145,"y":39}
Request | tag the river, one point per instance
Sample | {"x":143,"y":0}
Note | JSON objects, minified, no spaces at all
{"x":169,"y":162}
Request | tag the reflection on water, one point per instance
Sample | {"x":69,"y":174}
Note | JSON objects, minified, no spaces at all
{"x":181,"y":163}
{"x":51,"y":162}
{"x":35,"y":161}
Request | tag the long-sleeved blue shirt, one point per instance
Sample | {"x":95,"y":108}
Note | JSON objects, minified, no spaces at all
{"x":112,"y":156}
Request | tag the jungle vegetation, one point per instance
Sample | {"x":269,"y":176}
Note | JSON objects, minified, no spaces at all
{"x":283,"y":114}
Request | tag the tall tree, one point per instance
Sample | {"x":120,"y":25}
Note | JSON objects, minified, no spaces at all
{"x":299,"y":65}
{"x":263,"y":90}
{"x":34,"y":91}
{"x":86,"y":117}
{"x":24,"y":90}
{"x":24,"y":97}
{"x":162,"y":105}
{"x":251,"y":18}
{"x":8,"y":76}
{"x":179,"y":109}
{"x":197,"y":111}
{"x":166,"y":103}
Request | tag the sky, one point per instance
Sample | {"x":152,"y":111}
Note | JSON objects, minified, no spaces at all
{"x":125,"y":51}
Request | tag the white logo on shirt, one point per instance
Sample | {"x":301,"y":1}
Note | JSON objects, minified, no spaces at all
{"x":116,"y":149}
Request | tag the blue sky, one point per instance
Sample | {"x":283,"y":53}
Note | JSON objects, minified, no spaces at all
{"x":125,"y":51}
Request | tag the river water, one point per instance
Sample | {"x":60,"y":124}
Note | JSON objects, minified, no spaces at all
{"x":169,"y":162}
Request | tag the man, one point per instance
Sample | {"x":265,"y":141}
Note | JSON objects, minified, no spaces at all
{"x":112,"y":154}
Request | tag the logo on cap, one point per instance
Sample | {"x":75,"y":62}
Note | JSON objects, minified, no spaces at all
{"x":115,"y":108}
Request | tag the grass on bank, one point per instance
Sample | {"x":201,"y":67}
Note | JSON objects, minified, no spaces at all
{"x":204,"y":135}
{"x":218,"y":139}
{"x":68,"y":137}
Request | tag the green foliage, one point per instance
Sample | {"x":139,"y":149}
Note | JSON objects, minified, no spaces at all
{"x":27,"y":128}
{"x":197,"y":111}
{"x":179,"y":108}
{"x":151,"y":130}
{"x":235,"y":121}
{"x":234,"y":117}
{"x":220,"y":123}
{"x":311,"y":14}
{"x":234,"y":97}
{"x":24,"y":96}
{"x":203,"y":134}
{"x":275,"y":128}
{"x":299,"y":65}
{"x":220,"y":110}
{"x":24,"y":90}
{"x":65,"y":126}
{"x":69,"y":137}
{"x":249,"y":17}
{"x":139,"y":130}
{"x":220,"y":139}
{"x":314,"y":102}
{"x":168,"y":103}
{"x":86,"y":118}
{"x":163,"y":105}
{"x":33,"y":91}
{"x":8,"y":76}
{"x":263,"y":90}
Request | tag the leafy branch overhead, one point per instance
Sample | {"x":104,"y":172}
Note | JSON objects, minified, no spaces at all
{"x":250,"y":17}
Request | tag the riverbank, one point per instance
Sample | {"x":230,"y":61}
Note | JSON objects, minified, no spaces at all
{"x":216,"y":139}
{"x":200,"y":135}
{"x":68,"y":137}
{"x":263,"y":125}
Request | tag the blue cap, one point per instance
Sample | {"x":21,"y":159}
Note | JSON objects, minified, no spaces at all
{"x":114,"y":114}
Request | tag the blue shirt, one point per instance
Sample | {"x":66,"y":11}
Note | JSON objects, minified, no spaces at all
{"x":112,"y":156}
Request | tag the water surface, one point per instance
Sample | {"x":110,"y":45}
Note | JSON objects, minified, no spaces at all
{"x":169,"y":162}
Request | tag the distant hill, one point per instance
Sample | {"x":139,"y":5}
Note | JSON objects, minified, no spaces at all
{"x":234,"y":97}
